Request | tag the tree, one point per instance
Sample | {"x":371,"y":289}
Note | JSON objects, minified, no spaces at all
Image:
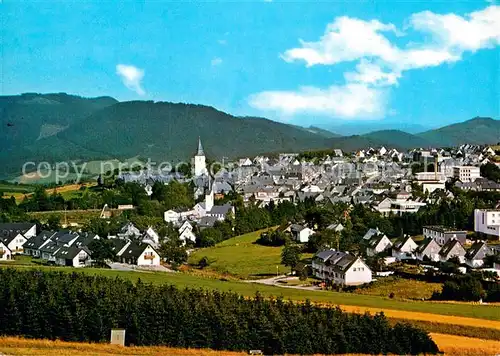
{"x":53,"y":222}
{"x":291,"y":255}
{"x":173,"y":251}
{"x":101,"y":251}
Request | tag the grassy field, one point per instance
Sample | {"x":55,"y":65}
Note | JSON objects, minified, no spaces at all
{"x":72,"y":216}
{"x":449,"y":344}
{"x":241,"y":257}
{"x":68,"y":191}
{"x":460,"y":314}
{"x":402,"y":288}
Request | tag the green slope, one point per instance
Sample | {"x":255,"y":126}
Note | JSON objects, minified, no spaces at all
{"x":397,"y":139}
{"x":167,"y":131}
{"x":480,"y":130}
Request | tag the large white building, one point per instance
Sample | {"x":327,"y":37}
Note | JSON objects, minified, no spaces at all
{"x":341,"y":268}
{"x":487,"y":222}
{"x":466,"y":173}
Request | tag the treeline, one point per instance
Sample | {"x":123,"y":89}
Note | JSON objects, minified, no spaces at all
{"x":78,"y":307}
{"x":469,"y":288}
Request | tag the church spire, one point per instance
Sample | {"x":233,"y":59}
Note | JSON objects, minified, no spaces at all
{"x":200,"y":148}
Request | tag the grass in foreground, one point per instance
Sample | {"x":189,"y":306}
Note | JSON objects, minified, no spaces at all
{"x":402,"y":288}
{"x":450,"y":344}
{"x":241,"y":257}
{"x":448,"y":313}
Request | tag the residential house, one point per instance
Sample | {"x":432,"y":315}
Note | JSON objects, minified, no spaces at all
{"x":474,"y":257}
{"x":14,"y":240}
{"x":487,"y":222}
{"x":300,"y":233}
{"x":370,"y":233}
{"x":443,"y":234}
{"x":404,"y":249}
{"x":186,"y":233}
{"x":428,"y":250}
{"x":138,"y":254}
{"x":377,"y":244}
{"x":26,"y":229}
{"x":337,"y":227}
{"x":452,"y":248}
{"x":341,"y":268}
{"x":151,"y":237}
{"x":33,"y":245}
{"x":5,"y":253}
{"x":73,"y":256}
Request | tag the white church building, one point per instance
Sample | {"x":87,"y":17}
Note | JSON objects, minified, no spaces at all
{"x":199,"y":162}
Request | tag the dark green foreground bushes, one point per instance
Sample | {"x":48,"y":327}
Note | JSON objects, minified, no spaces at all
{"x":78,"y":307}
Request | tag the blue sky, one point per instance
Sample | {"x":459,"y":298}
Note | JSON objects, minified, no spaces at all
{"x":309,"y":62}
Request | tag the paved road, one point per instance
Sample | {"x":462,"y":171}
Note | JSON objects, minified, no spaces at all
{"x":126,"y":267}
{"x":274,"y":281}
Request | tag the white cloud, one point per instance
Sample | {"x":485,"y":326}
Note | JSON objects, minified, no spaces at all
{"x":346,"y":39}
{"x":479,"y":29}
{"x":380,"y":62}
{"x":131,"y":77}
{"x":222,"y":42}
{"x":351,"y":100}
{"x":216,"y":62}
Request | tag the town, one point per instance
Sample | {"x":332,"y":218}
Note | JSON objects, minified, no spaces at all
{"x":314,"y":201}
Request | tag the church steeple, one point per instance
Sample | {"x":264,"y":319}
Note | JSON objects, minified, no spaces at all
{"x":200,"y":148}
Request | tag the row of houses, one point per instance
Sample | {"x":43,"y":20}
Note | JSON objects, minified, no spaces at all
{"x":68,"y":248}
{"x":439,"y":245}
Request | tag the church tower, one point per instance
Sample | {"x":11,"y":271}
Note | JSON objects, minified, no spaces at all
{"x":199,"y":161}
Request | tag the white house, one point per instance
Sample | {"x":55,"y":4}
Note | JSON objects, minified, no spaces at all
{"x":300,"y":233}
{"x":487,"y":222}
{"x":73,"y":256}
{"x":151,"y":237}
{"x":14,"y":240}
{"x":474,"y":257}
{"x":335,"y":227}
{"x":5,"y":253}
{"x":453,"y":248}
{"x":377,"y":244}
{"x":404,"y":249}
{"x":186,"y":232}
{"x":428,"y":250}
{"x":341,"y":268}
{"x":138,"y":254}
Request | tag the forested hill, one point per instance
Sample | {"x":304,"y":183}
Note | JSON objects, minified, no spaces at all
{"x":56,"y":127}
{"x":170,"y":131}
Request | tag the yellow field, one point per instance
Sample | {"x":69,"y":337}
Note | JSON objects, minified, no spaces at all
{"x":445,"y":319}
{"x":459,"y":345}
{"x":451,"y":345}
{"x":65,"y":190}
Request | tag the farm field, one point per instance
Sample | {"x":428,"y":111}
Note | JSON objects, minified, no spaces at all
{"x":402,"y":288}
{"x":241,"y":257}
{"x":72,"y":216}
{"x":449,"y":344}
{"x":447,"y":313}
{"x":68,"y":191}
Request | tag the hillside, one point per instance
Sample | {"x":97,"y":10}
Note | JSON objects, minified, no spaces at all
{"x":30,"y":123}
{"x":480,"y":130}
{"x":57,"y":127}
{"x":168,"y":131}
{"x":397,"y":139}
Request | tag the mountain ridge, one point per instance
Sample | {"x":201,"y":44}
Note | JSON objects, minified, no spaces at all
{"x":60,"y":126}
